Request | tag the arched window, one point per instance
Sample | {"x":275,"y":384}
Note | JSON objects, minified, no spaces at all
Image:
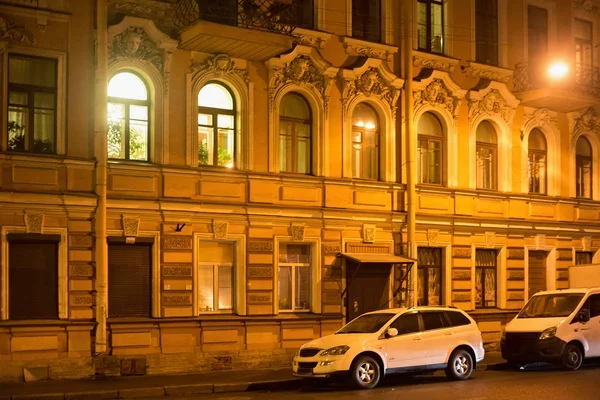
{"x":487,"y":156}
{"x":583,"y":168}
{"x":536,"y":167}
{"x":295,"y":124}
{"x":128,"y":117}
{"x":430,"y":149}
{"x":216,"y":126}
{"x":365,"y":142}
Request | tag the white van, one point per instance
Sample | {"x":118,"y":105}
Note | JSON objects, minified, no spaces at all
{"x":558,"y":326}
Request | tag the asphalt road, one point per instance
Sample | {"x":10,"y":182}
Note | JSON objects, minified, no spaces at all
{"x":483,"y":385}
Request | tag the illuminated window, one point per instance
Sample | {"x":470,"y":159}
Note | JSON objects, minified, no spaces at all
{"x":429,"y":276}
{"x":430,"y":25}
{"x":294,"y":277}
{"x":32,"y":92}
{"x":487,"y":156}
{"x":128,"y":118}
{"x":365,"y":142}
{"x":216,"y":271}
{"x":536,"y":167}
{"x":486,"y":267}
{"x":583,"y":168}
{"x":216,"y":126}
{"x":294,"y":134}
{"x":430,"y":149}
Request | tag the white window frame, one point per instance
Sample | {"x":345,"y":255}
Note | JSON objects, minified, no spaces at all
{"x":500,"y":275}
{"x":239,"y":272}
{"x":63,"y":269}
{"x":216,"y":265}
{"x":294,"y":266}
{"x":61,"y":93}
{"x":315,"y":273}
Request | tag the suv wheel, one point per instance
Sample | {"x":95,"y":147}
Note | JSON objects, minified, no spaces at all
{"x":365,"y":372}
{"x":460,"y":365}
{"x":572,"y":357}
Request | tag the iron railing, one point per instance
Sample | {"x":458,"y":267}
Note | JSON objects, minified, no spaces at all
{"x":582,"y":78}
{"x":279,"y":16}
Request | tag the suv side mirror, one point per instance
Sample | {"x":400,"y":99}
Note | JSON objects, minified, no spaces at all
{"x":391,"y":332}
{"x":583,"y":315}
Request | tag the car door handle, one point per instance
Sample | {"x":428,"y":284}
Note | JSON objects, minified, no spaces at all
{"x":418,"y":338}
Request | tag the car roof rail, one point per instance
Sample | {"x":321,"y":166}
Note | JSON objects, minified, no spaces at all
{"x":414,"y":307}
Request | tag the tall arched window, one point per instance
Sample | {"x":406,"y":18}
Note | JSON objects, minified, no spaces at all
{"x":128,"y":117}
{"x":365,"y":142}
{"x":487,"y":156}
{"x":295,"y":124}
{"x":430,"y":150}
{"x":216,"y":126}
{"x":583,"y":168}
{"x":536,"y":167}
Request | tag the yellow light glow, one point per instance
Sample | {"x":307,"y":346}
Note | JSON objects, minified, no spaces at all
{"x":360,"y":123}
{"x":370,"y":125}
{"x":230,"y":165}
{"x":558,"y":70}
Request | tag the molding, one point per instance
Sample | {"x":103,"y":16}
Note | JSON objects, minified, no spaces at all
{"x":307,"y":37}
{"x":11,"y":31}
{"x":440,"y":91}
{"x":368,"y":49}
{"x":434,"y":61}
{"x":494,"y":100}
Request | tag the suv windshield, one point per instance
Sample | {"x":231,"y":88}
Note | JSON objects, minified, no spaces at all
{"x":368,"y":323}
{"x":551,"y":305}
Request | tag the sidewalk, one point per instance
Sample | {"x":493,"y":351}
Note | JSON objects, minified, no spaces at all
{"x":168,"y":385}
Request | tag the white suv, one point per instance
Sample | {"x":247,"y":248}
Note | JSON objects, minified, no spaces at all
{"x":393,"y":341}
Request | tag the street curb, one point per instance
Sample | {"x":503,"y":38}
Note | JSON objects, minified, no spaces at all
{"x":166,"y":391}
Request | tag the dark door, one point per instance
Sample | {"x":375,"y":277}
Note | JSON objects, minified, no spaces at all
{"x":368,"y":290}
{"x":537,"y":271}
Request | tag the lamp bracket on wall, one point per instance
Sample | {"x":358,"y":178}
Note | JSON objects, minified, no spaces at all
{"x":179,"y":227}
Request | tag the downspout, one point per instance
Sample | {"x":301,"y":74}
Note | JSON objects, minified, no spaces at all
{"x":410,"y":148}
{"x":100,"y":151}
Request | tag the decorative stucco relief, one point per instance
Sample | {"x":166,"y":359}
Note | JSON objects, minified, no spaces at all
{"x":495,"y":100}
{"x":433,"y":236}
{"x":586,"y":243}
{"x":34,"y":223}
{"x":369,"y":233}
{"x":12,"y":31}
{"x":586,"y":121}
{"x":297,"y":232}
{"x":439,"y":91}
{"x":589,"y":6}
{"x":310,"y":38}
{"x":220,"y":229}
{"x":540,"y":117}
{"x":131,"y":226}
{"x":220,"y":65}
{"x":490,"y":239}
{"x":305,"y":67}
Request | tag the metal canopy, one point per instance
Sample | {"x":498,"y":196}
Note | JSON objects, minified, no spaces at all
{"x":377,"y":258}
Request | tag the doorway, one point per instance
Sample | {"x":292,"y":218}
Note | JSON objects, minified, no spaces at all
{"x":537,"y":271}
{"x":368,"y":287}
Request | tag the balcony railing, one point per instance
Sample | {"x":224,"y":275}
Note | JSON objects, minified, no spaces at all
{"x":582,"y":79}
{"x":279,"y":16}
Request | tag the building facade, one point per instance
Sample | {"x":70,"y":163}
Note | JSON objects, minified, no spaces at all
{"x":205,"y":185}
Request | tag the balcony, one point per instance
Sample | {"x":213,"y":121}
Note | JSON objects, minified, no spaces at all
{"x":580,"y":88}
{"x":248,"y":29}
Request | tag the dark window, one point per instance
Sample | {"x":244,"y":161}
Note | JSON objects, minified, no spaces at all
{"x":583,"y":46}
{"x":430,"y":25}
{"x":594,"y":302}
{"x":536,"y":167}
{"x":129,"y":279}
{"x":583,"y":168}
{"x":485,"y":278}
{"x":366,"y":20}
{"x":300,"y":13}
{"x":33,"y":277}
{"x":486,"y":31}
{"x":219,"y":11}
{"x":486,"y":156}
{"x":295,"y":131}
{"x":32,"y":104}
{"x":457,"y":319}
{"x":429,"y":291}
{"x":430,"y":150}
{"x":407,"y":323}
{"x":537,"y":43}
{"x":433,"y":320}
{"x":128,"y":117}
{"x":583,"y":257}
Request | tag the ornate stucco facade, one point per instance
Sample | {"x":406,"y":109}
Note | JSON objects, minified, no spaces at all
{"x":257,"y":221}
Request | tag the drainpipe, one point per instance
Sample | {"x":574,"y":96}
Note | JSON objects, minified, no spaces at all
{"x":410,"y":148}
{"x":100,"y":151}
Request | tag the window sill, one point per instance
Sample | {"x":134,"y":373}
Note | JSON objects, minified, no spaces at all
{"x":43,"y":322}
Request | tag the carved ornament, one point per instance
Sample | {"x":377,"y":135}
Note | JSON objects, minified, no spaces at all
{"x":436,"y":94}
{"x":540,"y":117}
{"x":177,"y":242}
{"x":490,"y":239}
{"x":369,"y":233}
{"x":491,"y":104}
{"x":588,"y":6}
{"x":310,"y":38}
{"x":370,"y":83}
{"x":10,"y":30}
{"x":131,"y":226}
{"x":586,"y":121}
{"x":297,"y":233}
{"x":368,"y":49}
{"x":134,"y":44}
{"x":540,"y":241}
{"x":220,"y":65}
{"x":586,"y":243}
{"x":133,"y":8}
{"x":34,"y":223}
{"x":432,"y":63}
{"x":433,"y":236}
{"x":461,"y":252}
{"x":220,"y":229}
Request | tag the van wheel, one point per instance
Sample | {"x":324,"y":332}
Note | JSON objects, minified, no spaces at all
{"x":572,"y":357}
{"x":460,"y":365}
{"x":365,"y":372}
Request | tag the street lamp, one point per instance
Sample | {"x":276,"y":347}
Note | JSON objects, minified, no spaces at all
{"x":558,"y":70}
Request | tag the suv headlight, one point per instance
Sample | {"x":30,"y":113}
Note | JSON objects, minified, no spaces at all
{"x":548,"y":333}
{"x":336,"y":351}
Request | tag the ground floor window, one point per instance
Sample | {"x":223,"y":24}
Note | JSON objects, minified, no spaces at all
{"x":32,"y":276}
{"x":130,"y":278}
{"x":294,"y":277}
{"x":429,"y":288}
{"x":216,"y":271}
{"x":583,"y":257}
{"x":486,"y":266}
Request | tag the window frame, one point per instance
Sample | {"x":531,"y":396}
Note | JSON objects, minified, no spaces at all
{"x":582,"y":252}
{"x":426,"y":268}
{"x":538,"y":153}
{"x":129,"y":102}
{"x":376,"y":38}
{"x":579,"y":166}
{"x":428,"y":26}
{"x":483,"y":269}
{"x":428,"y":139}
{"x":214,"y":112}
{"x":216,"y":265}
{"x":294,"y":267}
{"x":377,"y":134}
{"x":31,"y":90}
{"x":487,"y":19}
{"x":294,"y":137}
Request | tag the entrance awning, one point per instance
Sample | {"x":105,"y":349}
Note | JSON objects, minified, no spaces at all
{"x":377,"y":258}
